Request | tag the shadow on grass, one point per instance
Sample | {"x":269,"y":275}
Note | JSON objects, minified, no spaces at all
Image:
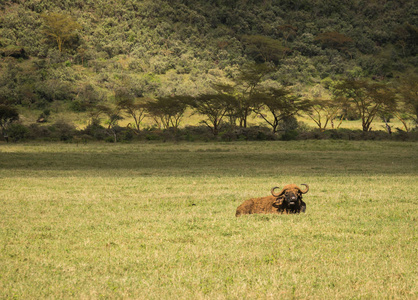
{"x":199,"y":163}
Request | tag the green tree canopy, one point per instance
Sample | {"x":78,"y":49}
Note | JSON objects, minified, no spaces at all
{"x":60,"y":27}
{"x":168,"y":111}
{"x":280,"y":104}
{"x":135,"y":107}
{"x":214,"y":107}
{"x":368,"y":98}
{"x":408,"y":105}
{"x":247,"y":84}
{"x":323,"y":113}
{"x":263,"y":48}
{"x":334,"y":40}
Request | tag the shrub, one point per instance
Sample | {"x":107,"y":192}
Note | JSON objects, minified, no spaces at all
{"x":37,"y":131}
{"x":62,"y":130}
{"x":78,"y":106}
{"x":17,"y":132}
{"x":256,"y":133}
{"x":109,"y":139}
{"x":289,"y":135}
{"x":199,"y":133}
{"x":288,"y":123}
{"x":152,"y":137}
{"x":126,"y":135}
{"x":96,"y":131}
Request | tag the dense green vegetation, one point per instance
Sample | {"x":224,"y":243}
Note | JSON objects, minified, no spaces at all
{"x":75,"y":56}
{"x":157,"y":221}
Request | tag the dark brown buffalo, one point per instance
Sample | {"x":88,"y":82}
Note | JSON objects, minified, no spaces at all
{"x":288,"y":201}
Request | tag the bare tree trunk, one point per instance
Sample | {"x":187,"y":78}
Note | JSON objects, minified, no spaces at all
{"x":388,"y":128}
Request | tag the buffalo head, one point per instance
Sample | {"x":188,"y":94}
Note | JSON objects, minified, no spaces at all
{"x":291,"y":194}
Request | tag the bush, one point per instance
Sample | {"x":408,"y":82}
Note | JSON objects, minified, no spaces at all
{"x":109,"y":139}
{"x":256,"y":133}
{"x":36,"y":131}
{"x":289,"y":123}
{"x":78,"y":106}
{"x":126,"y":135}
{"x":95,"y":130}
{"x":289,"y":135}
{"x":152,"y":137}
{"x":62,"y":131}
{"x":199,"y":133}
{"x":17,"y":132}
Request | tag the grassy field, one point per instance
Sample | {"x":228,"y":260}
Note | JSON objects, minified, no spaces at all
{"x":156,"y":221}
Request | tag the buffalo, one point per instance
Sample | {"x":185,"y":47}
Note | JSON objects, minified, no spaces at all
{"x":287,"y":201}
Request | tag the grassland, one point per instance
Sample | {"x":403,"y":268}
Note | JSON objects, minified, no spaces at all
{"x":156,"y":221}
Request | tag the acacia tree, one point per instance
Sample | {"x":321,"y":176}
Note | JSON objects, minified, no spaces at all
{"x":233,"y":112}
{"x":281,"y":105}
{"x":263,"y":48}
{"x":368,"y":98}
{"x":324,"y":112}
{"x":408,"y":104}
{"x":287,"y":31}
{"x":407,"y":36}
{"x":168,"y":111}
{"x":334,"y":40}
{"x":134,"y":107}
{"x":248,"y":83}
{"x":60,"y":27}
{"x":215,"y":107}
{"x":113,"y":117}
{"x":112,"y":114}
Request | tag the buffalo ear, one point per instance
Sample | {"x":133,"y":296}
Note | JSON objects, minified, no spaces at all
{"x":278,"y":202}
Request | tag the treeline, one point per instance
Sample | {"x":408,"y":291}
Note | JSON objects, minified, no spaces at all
{"x":328,"y":60}
{"x":224,"y":113}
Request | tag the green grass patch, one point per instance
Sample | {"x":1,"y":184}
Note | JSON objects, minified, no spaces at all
{"x":157,"y":221}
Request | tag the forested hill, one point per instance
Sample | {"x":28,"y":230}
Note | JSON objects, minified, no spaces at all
{"x":60,"y":49}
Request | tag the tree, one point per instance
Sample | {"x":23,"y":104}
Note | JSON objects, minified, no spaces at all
{"x":87,"y":96}
{"x":60,"y":27}
{"x":248,"y":83}
{"x":280,"y":103}
{"x":407,"y":39}
{"x":368,"y":98}
{"x":334,"y":40}
{"x":133,"y":106}
{"x":168,"y":111}
{"x":323,"y":112}
{"x":113,"y":117}
{"x":263,"y":48}
{"x":407,"y":89}
{"x":233,"y":111}
{"x":8,"y":115}
{"x":215,"y":107}
{"x":287,"y":31}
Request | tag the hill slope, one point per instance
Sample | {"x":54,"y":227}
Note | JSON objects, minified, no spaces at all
{"x":178,"y":47}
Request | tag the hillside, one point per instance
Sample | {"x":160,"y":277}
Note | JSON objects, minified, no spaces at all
{"x":61,"y":54}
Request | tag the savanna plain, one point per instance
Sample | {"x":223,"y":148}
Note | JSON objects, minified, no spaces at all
{"x":157,"y":221}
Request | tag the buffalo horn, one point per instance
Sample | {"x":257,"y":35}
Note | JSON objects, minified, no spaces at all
{"x":272,"y":191}
{"x":306,"y":190}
